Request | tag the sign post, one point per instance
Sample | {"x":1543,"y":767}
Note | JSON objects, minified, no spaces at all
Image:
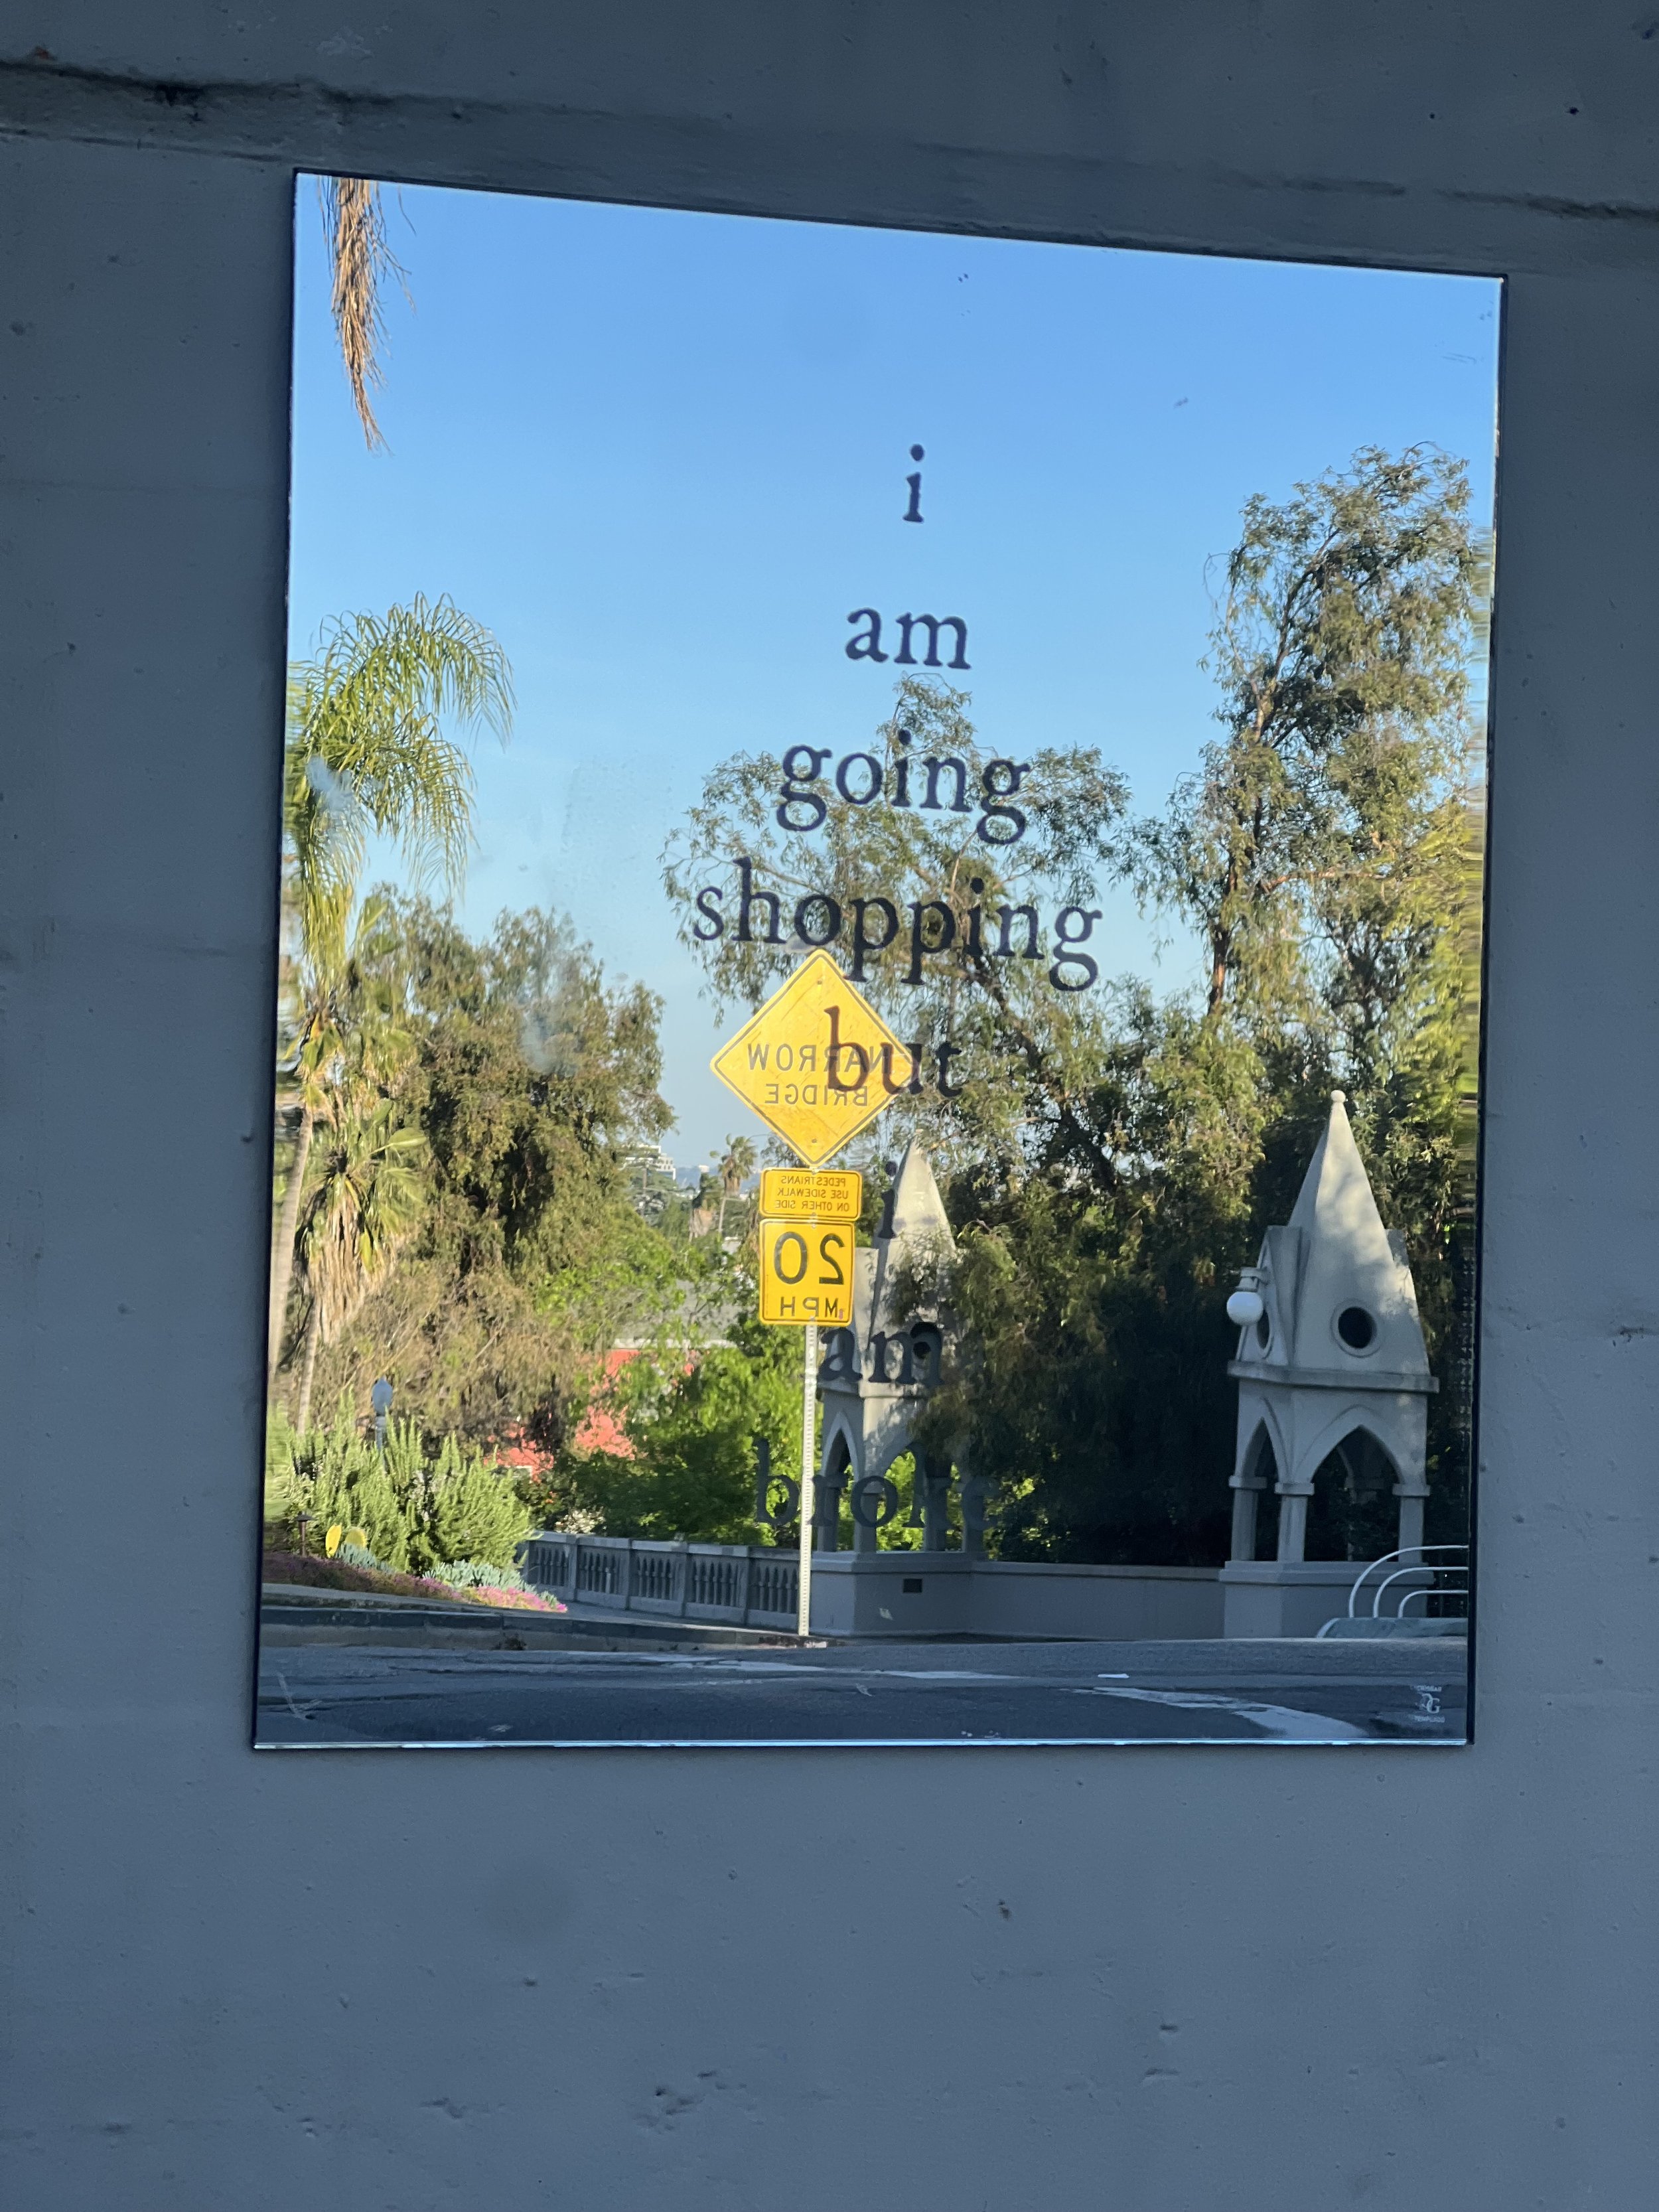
{"x":808,"y":1484}
{"x":807,"y":1275}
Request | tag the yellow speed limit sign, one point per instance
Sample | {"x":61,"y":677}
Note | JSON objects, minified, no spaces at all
{"x":806,"y":1272}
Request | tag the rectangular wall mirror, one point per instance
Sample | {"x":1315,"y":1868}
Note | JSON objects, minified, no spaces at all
{"x":875,"y":1066}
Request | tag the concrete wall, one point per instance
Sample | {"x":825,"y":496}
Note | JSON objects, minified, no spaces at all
{"x":1019,"y":1599}
{"x":1288,"y":1597}
{"x":1023,"y":1979}
{"x":864,"y":1593}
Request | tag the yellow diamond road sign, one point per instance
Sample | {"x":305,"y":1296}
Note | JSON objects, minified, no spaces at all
{"x":816,"y":1062}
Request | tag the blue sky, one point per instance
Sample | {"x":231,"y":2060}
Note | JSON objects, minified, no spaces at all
{"x":662,"y":455}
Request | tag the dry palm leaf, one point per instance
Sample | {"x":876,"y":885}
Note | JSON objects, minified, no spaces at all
{"x":362,"y":261}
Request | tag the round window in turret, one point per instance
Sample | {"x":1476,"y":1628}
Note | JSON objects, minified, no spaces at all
{"x":1264,"y":1333}
{"x":1355,"y":1328}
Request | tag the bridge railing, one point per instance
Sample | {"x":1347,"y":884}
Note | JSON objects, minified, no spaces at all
{"x":744,"y":1585}
{"x":1437,"y":1573}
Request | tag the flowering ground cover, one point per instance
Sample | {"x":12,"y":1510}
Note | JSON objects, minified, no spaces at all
{"x":337,"y":1575}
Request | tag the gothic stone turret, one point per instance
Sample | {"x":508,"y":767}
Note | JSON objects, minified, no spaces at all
{"x":877,"y":1374}
{"x":1336,"y":1357}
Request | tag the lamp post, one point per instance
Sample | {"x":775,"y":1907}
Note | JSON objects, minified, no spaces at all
{"x":380,"y":1399}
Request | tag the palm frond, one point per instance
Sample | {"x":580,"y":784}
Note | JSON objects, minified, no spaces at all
{"x":364,"y":1204}
{"x":362,"y":259}
{"x":366,"y":745}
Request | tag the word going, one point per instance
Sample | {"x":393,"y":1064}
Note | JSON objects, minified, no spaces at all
{"x":860,"y":779}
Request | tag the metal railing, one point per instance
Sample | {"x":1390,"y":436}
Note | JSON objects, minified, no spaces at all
{"x":744,"y":1585}
{"x":1442,"y":1581}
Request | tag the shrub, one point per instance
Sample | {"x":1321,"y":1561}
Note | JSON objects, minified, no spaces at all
{"x":416,"y":1513}
{"x":479,"y":1574}
{"x":474,"y":1513}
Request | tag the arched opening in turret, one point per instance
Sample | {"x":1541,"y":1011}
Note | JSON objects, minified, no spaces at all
{"x":829,"y":1507}
{"x":1353,"y":1513}
{"x":1256,"y":1509}
{"x":901,"y":1530}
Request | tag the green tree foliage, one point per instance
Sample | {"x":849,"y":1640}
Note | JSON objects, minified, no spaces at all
{"x":343,"y":1048}
{"x":738,"y":1163}
{"x":363,"y":1203}
{"x":1112,"y":1160}
{"x":1306,"y":849}
{"x":1011,"y":1026}
{"x":691,"y":1422}
{"x":530,"y":1079}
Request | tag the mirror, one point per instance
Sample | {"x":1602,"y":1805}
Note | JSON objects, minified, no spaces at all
{"x":882,"y":886}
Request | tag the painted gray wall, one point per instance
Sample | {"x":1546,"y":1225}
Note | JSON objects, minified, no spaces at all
{"x":1160,"y":1979}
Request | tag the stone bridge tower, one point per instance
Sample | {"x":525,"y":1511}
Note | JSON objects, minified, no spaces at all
{"x":1331,"y":1354}
{"x":877,"y":1374}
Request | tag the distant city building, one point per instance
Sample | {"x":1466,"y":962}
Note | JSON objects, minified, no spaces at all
{"x":653,"y":1180}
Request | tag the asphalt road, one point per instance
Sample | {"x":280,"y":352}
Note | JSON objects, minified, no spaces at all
{"x":889,"y":1693}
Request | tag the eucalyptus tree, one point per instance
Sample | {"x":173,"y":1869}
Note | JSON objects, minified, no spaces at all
{"x":1327,"y":849}
{"x":953,"y":882}
{"x":1308,"y":850}
{"x":533,"y":1082}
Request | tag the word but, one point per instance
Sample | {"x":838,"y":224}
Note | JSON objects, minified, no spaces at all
{"x":810,"y":1074}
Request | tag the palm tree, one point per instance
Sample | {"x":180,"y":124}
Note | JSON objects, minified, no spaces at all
{"x":366,"y":748}
{"x":735,"y":1170}
{"x":363,"y":1203}
{"x":345,"y":1045}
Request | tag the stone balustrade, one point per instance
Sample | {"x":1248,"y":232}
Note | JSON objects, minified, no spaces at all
{"x":742,"y":1585}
